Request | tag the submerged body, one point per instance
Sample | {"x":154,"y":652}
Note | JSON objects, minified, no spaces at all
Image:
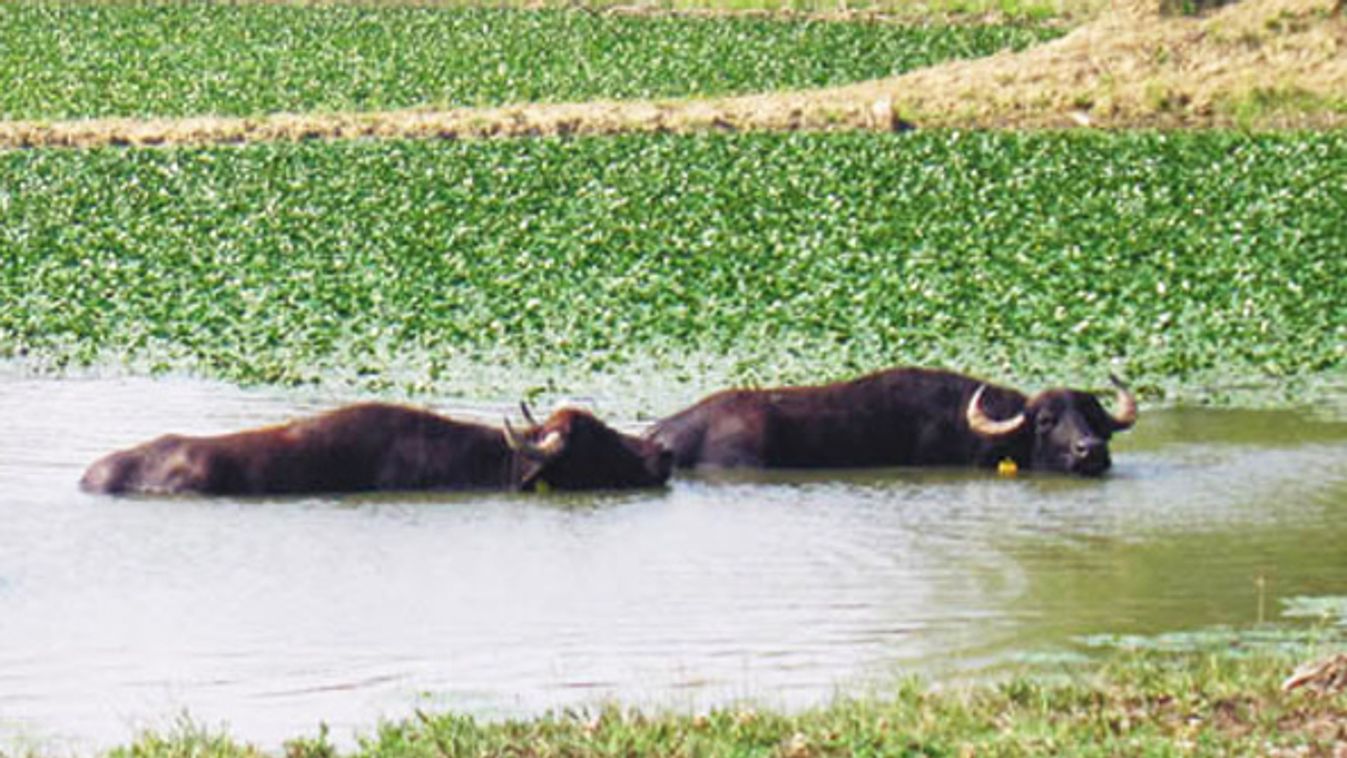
{"x":379,"y":446}
{"x":898,"y":417}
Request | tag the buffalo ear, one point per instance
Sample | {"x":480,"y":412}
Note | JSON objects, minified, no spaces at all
{"x":536,"y":457}
{"x":552,"y":444}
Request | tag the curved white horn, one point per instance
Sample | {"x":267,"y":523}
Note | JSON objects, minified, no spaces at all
{"x":980,"y":423}
{"x":1126,"y":415}
{"x":514,"y":439}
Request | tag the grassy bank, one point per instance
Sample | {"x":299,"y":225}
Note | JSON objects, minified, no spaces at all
{"x":1142,"y":704}
{"x":1190,"y":259}
{"x":393,"y":71}
{"x":67,"y":61}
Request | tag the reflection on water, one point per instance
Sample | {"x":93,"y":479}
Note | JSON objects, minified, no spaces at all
{"x":782,"y":589}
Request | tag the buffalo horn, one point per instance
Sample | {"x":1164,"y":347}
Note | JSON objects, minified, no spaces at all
{"x":528,"y":414}
{"x":1126,"y":414}
{"x":987,"y":427}
{"x":551,"y":445}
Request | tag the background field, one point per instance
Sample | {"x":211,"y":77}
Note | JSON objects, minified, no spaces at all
{"x":61,"y":61}
{"x":1193,"y":260}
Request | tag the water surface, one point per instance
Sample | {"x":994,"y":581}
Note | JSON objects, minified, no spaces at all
{"x":783,"y":589}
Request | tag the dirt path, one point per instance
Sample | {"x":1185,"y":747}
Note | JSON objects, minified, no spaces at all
{"x":1258,"y":64}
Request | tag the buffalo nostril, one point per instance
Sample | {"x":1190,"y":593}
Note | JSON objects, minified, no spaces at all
{"x":1089,"y":456}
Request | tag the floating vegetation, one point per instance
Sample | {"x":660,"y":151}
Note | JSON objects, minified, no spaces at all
{"x":1292,"y":638}
{"x":1330,"y":608}
{"x":72,"y":60}
{"x":1180,"y":257}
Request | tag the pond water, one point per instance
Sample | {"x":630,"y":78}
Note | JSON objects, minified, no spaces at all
{"x":779,"y":590}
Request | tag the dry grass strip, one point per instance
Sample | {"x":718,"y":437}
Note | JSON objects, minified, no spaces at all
{"x":1259,"y":64}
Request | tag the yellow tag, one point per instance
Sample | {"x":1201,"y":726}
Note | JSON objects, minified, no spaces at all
{"x":541,"y":486}
{"x":1007,"y":467}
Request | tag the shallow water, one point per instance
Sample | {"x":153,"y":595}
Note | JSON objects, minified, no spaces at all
{"x":783,"y":589}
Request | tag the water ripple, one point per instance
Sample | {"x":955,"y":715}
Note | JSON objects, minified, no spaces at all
{"x":781,"y":587}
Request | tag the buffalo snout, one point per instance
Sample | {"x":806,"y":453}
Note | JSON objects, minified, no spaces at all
{"x":1089,"y":456}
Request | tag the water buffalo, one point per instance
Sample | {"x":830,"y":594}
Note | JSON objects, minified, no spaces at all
{"x":898,"y":417}
{"x":378,"y":446}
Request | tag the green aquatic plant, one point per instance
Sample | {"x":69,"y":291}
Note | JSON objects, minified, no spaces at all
{"x":79,"y":60}
{"x":1180,"y":259}
{"x":1329,"y":608}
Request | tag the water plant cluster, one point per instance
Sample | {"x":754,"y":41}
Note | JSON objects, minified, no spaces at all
{"x":63,"y":60}
{"x":1179,"y":256}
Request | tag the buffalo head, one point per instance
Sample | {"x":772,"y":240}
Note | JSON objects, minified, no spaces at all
{"x":1068,"y":430}
{"x":573,"y":450}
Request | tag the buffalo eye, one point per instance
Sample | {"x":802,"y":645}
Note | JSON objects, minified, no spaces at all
{"x":1044,"y":423}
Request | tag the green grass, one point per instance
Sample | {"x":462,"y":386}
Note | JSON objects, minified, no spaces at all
{"x":1265,"y":105}
{"x":1204,"y":692}
{"x":1138,"y":704}
{"x":1038,"y":10}
{"x":1192,"y":259}
{"x":77,"y":60}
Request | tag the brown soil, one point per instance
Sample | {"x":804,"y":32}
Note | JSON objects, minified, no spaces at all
{"x":1259,"y":64}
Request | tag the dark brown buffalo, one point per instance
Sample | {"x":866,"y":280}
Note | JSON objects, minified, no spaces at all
{"x":899,"y":417}
{"x":376,"y":446}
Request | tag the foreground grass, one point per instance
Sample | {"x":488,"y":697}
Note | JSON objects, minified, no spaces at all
{"x":1141,"y":704}
{"x":1189,"y":258}
{"x":72,"y":60}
